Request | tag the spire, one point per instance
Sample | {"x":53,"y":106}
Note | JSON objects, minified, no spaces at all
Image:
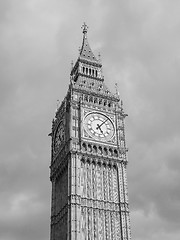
{"x":86,"y":52}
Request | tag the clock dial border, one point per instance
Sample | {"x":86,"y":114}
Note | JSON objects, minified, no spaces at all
{"x":99,"y":126}
{"x":59,"y":136}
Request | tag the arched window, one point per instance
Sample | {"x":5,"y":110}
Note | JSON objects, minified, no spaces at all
{"x":86,"y":98}
{"x":89,"y":148}
{"x":115,"y":153}
{"x":94,"y":149}
{"x":95,"y":100}
{"x":105,"y":151}
{"x":91,"y":99}
{"x":110,"y":152}
{"x":100,"y":150}
{"x":84,"y":148}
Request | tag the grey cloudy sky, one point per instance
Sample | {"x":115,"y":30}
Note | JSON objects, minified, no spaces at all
{"x":139,"y":41}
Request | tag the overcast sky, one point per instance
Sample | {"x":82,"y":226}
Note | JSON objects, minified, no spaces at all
{"x":139,"y":42}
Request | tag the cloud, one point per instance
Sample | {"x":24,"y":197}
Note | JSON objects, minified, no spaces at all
{"x":14,"y":221}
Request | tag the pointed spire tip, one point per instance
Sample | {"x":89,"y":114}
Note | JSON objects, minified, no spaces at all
{"x":84,"y":28}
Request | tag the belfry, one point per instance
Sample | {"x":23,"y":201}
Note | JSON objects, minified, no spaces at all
{"x":89,"y":158}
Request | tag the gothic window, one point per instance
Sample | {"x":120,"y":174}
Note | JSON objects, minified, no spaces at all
{"x":82,"y":175}
{"x":121,"y":122}
{"x":89,"y":71}
{"x":122,"y":143}
{"x":88,"y":162}
{"x":96,"y":73}
{"x":94,"y":184}
{"x":110,"y":181}
{"x":115,"y":153}
{"x":94,"y":149}
{"x":110,"y":152}
{"x":91,"y":99}
{"x":118,"y":230}
{"x":104,"y":182}
{"x":121,"y":133}
{"x":95,"y":100}
{"x":95,"y":225}
{"x":100,"y":150}
{"x":84,"y":148}
{"x":83,"y":69}
{"x":83,"y":222}
{"x":88,"y":179}
{"x":105,"y":151}
{"x":93,"y":72}
{"x":89,"y":148}
{"x":99,"y":181}
{"x":115,"y":184}
{"x":86,"y":98}
{"x":86,"y":70}
{"x":100,"y":87}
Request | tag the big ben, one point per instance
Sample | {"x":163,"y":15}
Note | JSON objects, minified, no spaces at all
{"x":89,"y":158}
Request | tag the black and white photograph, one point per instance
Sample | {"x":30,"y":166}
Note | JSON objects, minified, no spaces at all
{"x":89,"y":120}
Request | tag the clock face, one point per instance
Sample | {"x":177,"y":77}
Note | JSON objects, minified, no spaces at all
{"x":59,"y":136}
{"x":99,"y":126}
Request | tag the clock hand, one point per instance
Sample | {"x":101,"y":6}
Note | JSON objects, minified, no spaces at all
{"x":99,"y":127}
{"x":101,"y":124}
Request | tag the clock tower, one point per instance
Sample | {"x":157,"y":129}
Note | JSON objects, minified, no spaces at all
{"x":88,"y":158}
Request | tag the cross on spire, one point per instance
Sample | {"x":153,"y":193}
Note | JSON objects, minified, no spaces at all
{"x":84,"y":28}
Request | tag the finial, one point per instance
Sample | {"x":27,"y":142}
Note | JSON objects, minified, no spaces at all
{"x":99,"y":56}
{"x":121,"y":105}
{"x":84,"y":28}
{"x":57,"y":105}
{"x":116,"y":88}
{"x":72,"y":63}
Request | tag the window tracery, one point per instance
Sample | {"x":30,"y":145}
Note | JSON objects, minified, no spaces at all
{"x":99,"y":185}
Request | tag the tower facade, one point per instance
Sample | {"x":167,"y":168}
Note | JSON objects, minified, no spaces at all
{"x":88,"y":158}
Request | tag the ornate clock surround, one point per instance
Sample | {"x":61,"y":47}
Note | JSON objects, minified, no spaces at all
{"x":95,"y":122}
